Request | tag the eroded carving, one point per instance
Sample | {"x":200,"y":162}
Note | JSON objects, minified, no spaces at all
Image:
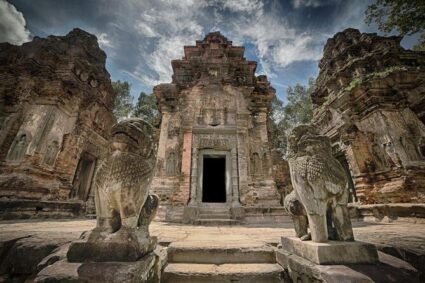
{"x":19,"y":147}
{"x":256,"y":163}
{"x":51,"y":153}
{"x":171,"y":164}
{"x":320,"y":182}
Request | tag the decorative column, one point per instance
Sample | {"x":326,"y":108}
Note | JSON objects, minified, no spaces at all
{"x":234,"y":176}
{"x":193,"y":187}
{"x":182,"y":196}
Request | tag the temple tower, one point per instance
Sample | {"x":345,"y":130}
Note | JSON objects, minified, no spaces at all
{"x":369,"y":100}
{"x":214,"y":148}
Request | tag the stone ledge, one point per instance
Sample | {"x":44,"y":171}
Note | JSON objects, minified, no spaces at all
{"x":391,"y":211}
{"x":388,"y":269}
{"x":143,"y":270}
{"x":332,"y":252}
{"x":26,"y":209}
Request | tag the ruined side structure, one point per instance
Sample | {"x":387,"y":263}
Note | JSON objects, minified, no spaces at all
{"x":56,"y":104}
{"x":214,"y":148}
{"x":370,"y":100}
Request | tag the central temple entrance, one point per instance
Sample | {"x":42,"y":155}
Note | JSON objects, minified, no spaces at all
{"x":214,"y":179}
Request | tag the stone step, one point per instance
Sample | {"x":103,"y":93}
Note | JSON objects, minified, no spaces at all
{"x":214,"y":209}
{"x":216,"y":222}
{"x":247,"y":273}
{"x":209,"y":254}
{"x":214,"y":216}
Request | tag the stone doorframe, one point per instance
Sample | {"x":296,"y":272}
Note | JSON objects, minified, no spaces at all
{"x":228,"y":179}
{"x":232,"y":190}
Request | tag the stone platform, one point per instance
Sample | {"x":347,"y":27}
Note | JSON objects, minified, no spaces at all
{"x":332,"y":252}
{"x":335,"y":261}
{"x":387,"y":269}
{"x":30,"y":245}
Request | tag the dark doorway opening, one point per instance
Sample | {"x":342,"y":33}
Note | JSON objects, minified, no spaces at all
{"x":214,"y":179}
{"x":352,"y":197}
{"x":83,"y":177}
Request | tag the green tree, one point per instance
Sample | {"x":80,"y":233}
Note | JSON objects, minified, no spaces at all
{"x":146,"y":108}
{"x":298,"y":110}
{"x":278,"y":135}
{"x":123,"y":101}
{"x":407,"y":17}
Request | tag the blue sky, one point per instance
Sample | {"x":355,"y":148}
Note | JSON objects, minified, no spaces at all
{"x":141,"y":37}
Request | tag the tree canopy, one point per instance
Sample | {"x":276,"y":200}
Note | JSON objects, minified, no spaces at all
{"x":298,"y":110}
{"x":407,"y":17}
{"x":146,"y":108}
{"x":123,"y":101}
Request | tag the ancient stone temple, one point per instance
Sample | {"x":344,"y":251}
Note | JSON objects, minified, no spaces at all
{"x":369,"y":100}
{"x":214,"y":148}
{"x":56,"y":104}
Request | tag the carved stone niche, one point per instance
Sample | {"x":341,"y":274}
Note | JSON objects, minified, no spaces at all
{"x":19,"y":147}
{"x":422,"y":147}
{"x":380,"y":160}
{"x":173,"y":128}
{"x":171,"y":164}
{"x":266,"y":164}
{"x":51,"y":153}
{"x":256,"y":164}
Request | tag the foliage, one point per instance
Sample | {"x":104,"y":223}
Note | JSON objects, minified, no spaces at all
{"x":382,"y":74}
{"x":123,"y":100}
{"x":404,"y":16}
{"x":353,"y":84}
{"x":146,"y":108}
{"x":298,"y":110}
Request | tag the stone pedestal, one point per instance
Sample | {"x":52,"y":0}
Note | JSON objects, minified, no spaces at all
{"x":142,"y":270}
{"x":387,"y":269}
{"x":123,"y":246}
{"x":332,"y":252}
{"x":124,"y":256}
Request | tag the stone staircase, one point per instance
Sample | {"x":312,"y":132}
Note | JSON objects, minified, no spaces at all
{"x":215,"y":215}
{"x":221,"y":263}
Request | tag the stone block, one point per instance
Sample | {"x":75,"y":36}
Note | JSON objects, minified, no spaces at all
{"x":142,"y":270}
{"x":332,"y":252}
{"x":124,"y":247}
{"x":388,"y":269}
{"x":21,"y":256}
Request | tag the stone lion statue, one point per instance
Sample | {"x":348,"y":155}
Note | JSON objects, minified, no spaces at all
{"x":320,"y":184}
{"x":124,"y":206}
{"x":123,"y":179}
{"x":298,"y":214}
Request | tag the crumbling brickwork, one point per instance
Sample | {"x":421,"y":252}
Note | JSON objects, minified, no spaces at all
{"x":56,"y":103}
{"x":369,"y":100}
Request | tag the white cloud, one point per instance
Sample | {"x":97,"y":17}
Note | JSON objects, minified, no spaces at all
{"x":145,"y":30}
{"x":311,"y":3}
{"x":12,"y":25}
{"x":104,"y":41}
{"x":169,"y":27}
{"x":277,"y":43}
{"x":247,"y":6}
{"x":299,"y":49}
{"x":155,"y":31}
